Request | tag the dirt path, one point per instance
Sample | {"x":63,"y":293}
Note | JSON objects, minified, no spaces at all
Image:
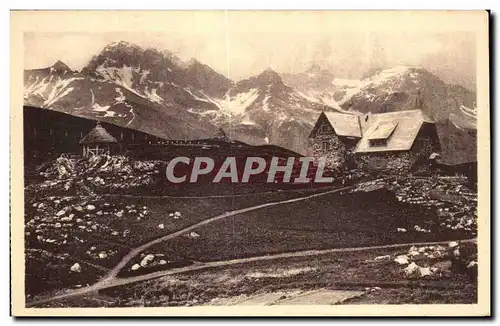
{"x":114,"y":282}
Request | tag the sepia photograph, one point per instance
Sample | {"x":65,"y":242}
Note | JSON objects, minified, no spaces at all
{"x":250,"y":163}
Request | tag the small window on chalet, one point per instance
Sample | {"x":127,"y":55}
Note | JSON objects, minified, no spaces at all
{"x":325,"y":145}
{"x":324,"y":128}
{"x":378,"y":142}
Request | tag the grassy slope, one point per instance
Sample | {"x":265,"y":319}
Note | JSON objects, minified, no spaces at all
{"x":324,"y":222}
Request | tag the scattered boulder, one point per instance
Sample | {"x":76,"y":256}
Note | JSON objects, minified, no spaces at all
{"x":147,"y":259}
{"x":135,"y":267}
{"x":76,"y":268}
{"x":90,"y":207}
{"x":412,"y":269}
{"x":472,"y":264}
{"x":385,"y":257}
{"x":402,"y":260}
{"x":161,"y":226}
{"x":425,"y":271}
{"x":193,"y":235}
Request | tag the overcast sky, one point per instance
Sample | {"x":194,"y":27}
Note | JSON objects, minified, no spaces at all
{"x":240,"y":44}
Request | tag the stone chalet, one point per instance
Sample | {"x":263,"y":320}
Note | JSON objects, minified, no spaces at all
{"x":393,"y":141}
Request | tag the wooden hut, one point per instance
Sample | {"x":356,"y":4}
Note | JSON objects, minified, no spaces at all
{"x":98,"y":142}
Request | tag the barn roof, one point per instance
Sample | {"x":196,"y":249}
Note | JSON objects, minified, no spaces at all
{"x":399,"y":128}
{"x":344,"y":124}
{"x":98,"y":135}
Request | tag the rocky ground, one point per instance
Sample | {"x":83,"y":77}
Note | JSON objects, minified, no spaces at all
{"x":451,"y":199}
{"x":433,"y":274}
{"x":98,"y":174}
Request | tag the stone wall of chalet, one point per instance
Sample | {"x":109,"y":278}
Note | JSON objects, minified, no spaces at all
{"x":396,"y":162}
{"x":335,"y":155}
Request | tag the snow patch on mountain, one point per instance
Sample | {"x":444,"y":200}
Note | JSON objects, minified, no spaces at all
{"x":60,"y":90}
{"x":120,"y":98}
{"x":121,"y":76}
{"x":236,"y":105}
{"x":247,"y":121}
{"x":265,"y":103}
{"x":152,"y":96}
{"x":144,"y":75}
{"x":100,"y":108}
{"x":131,"y":111}
{"x":110,"y":114}
{"x":196,"y":97}
{"x":38,"y":87}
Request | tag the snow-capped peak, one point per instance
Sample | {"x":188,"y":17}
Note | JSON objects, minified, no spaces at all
{"x":121,"y":45}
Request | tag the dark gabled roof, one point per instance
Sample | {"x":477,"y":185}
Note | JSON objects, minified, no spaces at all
{"x":98,"y":135}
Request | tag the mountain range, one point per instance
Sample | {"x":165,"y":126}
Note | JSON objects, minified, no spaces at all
{"x":156,"y":92}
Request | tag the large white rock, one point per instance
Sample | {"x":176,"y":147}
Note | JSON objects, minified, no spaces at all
{"x":194,"y":235}
{"x":161,"y":226}
{"x":452,"y":244}
{"x":422,"y":249}
{"x":90,"y":207}
{"x":425,"y":271}
{"x":135,"y":267}
{"x":146,"y":260}
{"x":76,"y":268}
{"x":412,"y":269}
{"x":413,"y":253}
{"x":402,"y":260}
